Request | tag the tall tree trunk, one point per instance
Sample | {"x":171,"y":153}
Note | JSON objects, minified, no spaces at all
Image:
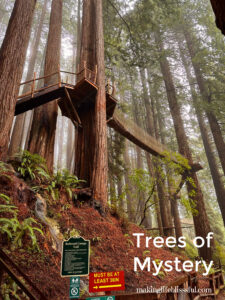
{"x":42,"y":135}
{"x":2,"y":10}
{"x":100,"y":171}
{"x":139,"y":159}
{"x":86,"y":134}
{"x":12,"y":57}
{"x":130,"y":202}
{"x":202,"y":227}
{"x":217,"y":180}
{"x":72,"y":131}
{"x":214,"y":125}
{"x":163,"y":200}
{"x":16,"y":138}
{"x":70,"y":151}
{"x":60,"y":144}
{"x":78,"y":35}
{"x":159,"y":124}
{"x":91,"y":161}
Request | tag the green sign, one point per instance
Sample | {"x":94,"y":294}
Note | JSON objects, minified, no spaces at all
{"x":102,"y":298}
{"x":75,"y":257}
{"x":74,"y":287}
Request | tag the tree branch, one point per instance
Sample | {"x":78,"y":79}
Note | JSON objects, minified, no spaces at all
{"x":147,"y":206}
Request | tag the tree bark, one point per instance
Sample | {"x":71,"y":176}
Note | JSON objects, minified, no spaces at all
{"x":214,"y":125}
{"x":219,"y":10}
{"x":139,"y":160}
{"x":202,"y":227}
{"x":60,"y":144}
{"x":42,"y":135}
{"x":72,"y":131}
{"x":100,"y":172}
{"x":86,"y":134}
{"x":17,"y":134}
{"x":217,"y":180}
{"x":91,"y":154}
{"x":130,"y":208}
{"x":78,"y":35}
{"x":159,"y":123}
{"x":163,"y":200}
{"x":12,"y":57}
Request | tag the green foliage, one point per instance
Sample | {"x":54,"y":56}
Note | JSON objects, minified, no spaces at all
{"x":190,"y":250}
{"x":63,"y":179}
{"x":71,"y":233}
{"x":177,"y":167}
{"x":190,"y":205}
{"x":120,"y":215}
{"x":3,"y":167}
{"x":10,"y":290}
{"x":13,"y":228}
{"x":141,"y":181}
{"x":8,"y":225}
{"x":27,"y":228}
{"x":96,"y":240}
{"x":146,"y":253}
{"x":129,"y":240}
{"x":32,"y":166}
{"x":162,"y":273}
{"x":219,"y":254}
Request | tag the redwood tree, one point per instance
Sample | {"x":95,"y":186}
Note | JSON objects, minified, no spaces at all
{"x":42,"y":134}
{"x":216,"y":177}
{"x":91,"y":154}
{"x":201,"y":222}
{"x":213,"y":122}
{"x":16,"y":138}
{"x":163,"y":200}
{"x":12,"y":57}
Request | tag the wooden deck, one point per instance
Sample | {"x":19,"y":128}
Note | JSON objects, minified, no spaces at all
{"x":71,"y":99}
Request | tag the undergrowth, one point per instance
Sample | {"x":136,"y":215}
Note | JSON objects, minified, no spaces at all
{"x":33,"y":168}
{"x":121,"y":216}
{"x":16,"y":230}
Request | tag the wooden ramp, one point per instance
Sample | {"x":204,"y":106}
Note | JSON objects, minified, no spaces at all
{"x":138,"y":136}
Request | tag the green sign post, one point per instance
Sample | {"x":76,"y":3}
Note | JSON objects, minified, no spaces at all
{"x":102,"y":298}
{"x":74,"y":287}
{"x":75,"y":257}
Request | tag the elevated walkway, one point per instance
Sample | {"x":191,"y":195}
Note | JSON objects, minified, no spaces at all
{"x":74,"y":99}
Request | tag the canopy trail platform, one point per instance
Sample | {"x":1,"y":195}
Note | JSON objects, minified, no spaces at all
{"x":75,"y":99}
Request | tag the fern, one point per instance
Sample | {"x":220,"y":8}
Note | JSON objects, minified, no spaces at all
{"x":62,"y":179}
{"x":15,"y":230}
{"x":9,"y":226}
{"x":32,"y":166}
{"x":26,"y":227}
{"x":5,"y":198}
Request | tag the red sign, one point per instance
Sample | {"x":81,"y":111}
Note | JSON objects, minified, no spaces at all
{"x":106,"y":281}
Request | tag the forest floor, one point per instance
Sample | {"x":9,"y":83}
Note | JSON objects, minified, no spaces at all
{"x":113,"y":247}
